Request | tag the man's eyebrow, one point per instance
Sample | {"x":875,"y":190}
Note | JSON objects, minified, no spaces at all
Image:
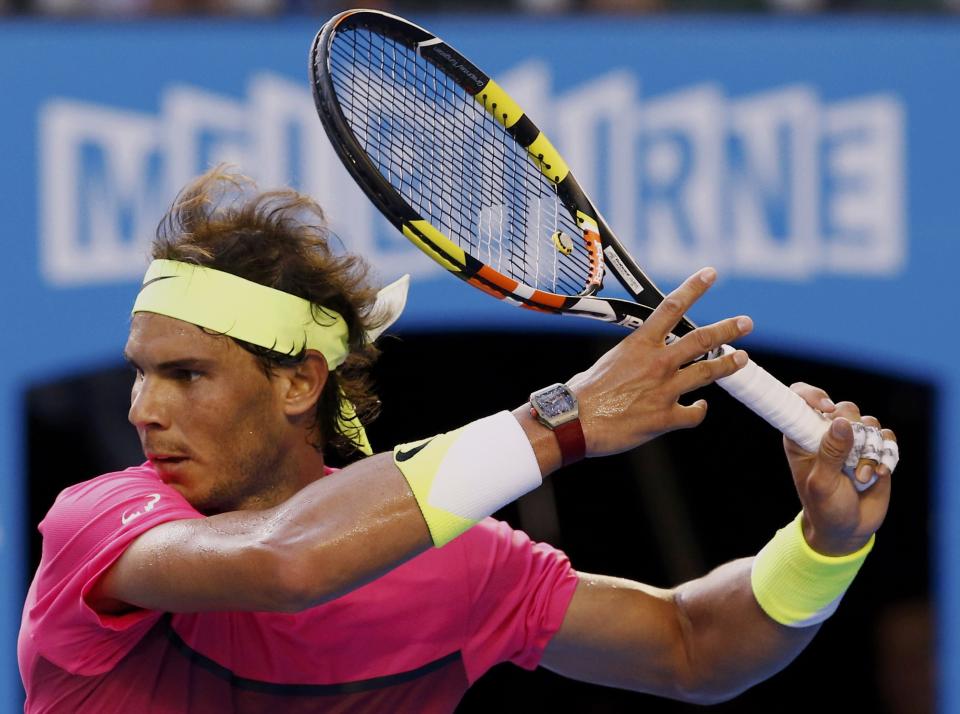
{"x":185,"y":363}
{"x":182,"y":363}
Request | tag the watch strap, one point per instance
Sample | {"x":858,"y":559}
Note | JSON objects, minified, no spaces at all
{"x":573,"y":445}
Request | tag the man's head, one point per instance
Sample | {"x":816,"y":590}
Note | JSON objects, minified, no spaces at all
{"x":279,"y":240}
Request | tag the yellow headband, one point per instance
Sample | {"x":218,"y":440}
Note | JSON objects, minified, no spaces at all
{"x":248,"y":311}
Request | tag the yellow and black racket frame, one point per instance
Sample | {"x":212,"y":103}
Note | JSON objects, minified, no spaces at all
{"x":603,"y":248}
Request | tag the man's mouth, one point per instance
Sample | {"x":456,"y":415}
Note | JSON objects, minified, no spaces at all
{"x":153,"y":456}
{"x":166,"y":462}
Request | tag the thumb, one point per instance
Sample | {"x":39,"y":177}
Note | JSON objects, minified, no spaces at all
{"x":836,"y":444}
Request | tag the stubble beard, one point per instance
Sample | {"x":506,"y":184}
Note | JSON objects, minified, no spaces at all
{"x":252,"y":482}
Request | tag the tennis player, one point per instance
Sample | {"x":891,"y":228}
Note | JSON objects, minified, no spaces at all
{"x":233,"y":571}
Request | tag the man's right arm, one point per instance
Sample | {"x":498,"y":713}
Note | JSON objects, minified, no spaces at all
{"x":352,"y":526}
{"x":334,"y":535}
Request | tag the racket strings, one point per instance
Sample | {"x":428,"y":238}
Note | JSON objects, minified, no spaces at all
{"x":453,"y":163}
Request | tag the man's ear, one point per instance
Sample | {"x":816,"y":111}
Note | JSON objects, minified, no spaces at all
{"x":303,"y":384}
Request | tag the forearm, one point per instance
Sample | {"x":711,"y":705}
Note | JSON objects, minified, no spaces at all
{"x":702,"y":642}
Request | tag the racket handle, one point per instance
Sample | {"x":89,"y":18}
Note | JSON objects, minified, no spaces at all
{"x":782,"y":408}
{"x":779,"y":405}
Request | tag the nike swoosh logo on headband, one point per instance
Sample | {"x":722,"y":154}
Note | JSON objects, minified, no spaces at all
{"x":410,"y":453}
{"x":153,"y":280}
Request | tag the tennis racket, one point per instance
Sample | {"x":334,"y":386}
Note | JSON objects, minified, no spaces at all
{"x":457,"y":166}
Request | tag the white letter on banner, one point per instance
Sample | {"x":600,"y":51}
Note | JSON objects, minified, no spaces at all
{"x":291,"y":148}
{"x":285,"y":138}
{"x":100,"y":197}
{"x":864,"y":178}
{"x":202,"y":129}
{"x":609,"y":102}
{"x":773,"y":183}
{"x":529,"y":84}
{"x":680,"y":160}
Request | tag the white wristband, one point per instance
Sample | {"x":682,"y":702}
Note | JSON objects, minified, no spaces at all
{"x":465,"y":475}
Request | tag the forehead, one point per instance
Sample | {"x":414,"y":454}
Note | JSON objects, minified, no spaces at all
{"x":158,"y":338}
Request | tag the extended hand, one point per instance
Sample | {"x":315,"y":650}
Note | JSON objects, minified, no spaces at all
{"x":631,"y":394}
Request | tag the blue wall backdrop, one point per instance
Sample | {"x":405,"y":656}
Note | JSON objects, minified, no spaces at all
{"x":812,"y":162}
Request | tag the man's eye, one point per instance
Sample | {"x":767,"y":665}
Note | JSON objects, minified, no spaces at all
{"x":188,"y":375}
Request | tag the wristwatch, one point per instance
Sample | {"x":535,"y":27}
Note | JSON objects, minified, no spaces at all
{"x":556,"y":407}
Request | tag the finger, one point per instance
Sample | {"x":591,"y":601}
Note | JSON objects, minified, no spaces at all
{"x":814,"y":396}
{"x":890,"y":455}
{"x":836,"y":442}
{"x":821,"y":482}
{"x":867,"y":451}
{"x":688,"y":417}
{"x":707,"y":371}
{"x":710,"y":337}
{"x":675,"y":305}
{"x":848,"y":410}
{"x":873,"y":446}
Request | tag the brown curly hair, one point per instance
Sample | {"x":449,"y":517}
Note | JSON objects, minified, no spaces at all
{"x":280,"y":239}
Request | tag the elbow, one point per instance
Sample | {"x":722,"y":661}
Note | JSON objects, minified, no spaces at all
{"x":693,"y":687}
{"x":290,"y":587}
{"x":699,"y":678}
{"x":301,"y":573}
{"x":705,"y":695}
{"x":268,"y":580}
{"x":297,"y":583}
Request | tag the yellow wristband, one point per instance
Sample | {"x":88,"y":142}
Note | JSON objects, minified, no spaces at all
{"x":465,"y":475}
{"x":797,"y":586}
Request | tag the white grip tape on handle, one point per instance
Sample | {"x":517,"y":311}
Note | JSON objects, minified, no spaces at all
{"x":779,"y":405}
{"x":786,"y":410}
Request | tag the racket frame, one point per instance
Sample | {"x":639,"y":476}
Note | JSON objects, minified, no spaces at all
{"x":603,"y":248}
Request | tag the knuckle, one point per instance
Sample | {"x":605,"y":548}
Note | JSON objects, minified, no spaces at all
{"x":704,"y":370}
{"x":703,"y":338}
{"x":730,"y":329}
{"x":662,"y":363}
{"x":835,"y":450}
{"x":847,"y":409}
{"x":673,"y":305}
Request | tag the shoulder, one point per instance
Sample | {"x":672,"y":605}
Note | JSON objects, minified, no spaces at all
{"x":107,"y":489}
{"x":519,"y":591}
{"x":500,"y":559}
{"x":500,"y":540}
{"x":105,"y":485}
{"x":107,"y":504}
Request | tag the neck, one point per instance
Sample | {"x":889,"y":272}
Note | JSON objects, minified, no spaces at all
{"x":302,"y":465}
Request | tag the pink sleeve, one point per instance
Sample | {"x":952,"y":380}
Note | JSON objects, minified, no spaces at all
{"x":85,"y":532}
{"x":519,"y":590}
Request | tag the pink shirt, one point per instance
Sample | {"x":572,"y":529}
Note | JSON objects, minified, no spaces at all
{"x":413,"y":640}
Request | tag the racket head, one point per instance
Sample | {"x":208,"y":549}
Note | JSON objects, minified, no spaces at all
{"x":455,"y":164}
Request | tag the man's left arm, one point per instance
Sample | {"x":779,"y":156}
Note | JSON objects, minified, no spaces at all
{"x":708,"y":639}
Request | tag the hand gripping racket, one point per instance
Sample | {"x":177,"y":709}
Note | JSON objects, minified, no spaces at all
{"x":457,"y":166}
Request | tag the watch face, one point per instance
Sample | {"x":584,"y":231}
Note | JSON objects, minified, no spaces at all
{"x":555,"y":401}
